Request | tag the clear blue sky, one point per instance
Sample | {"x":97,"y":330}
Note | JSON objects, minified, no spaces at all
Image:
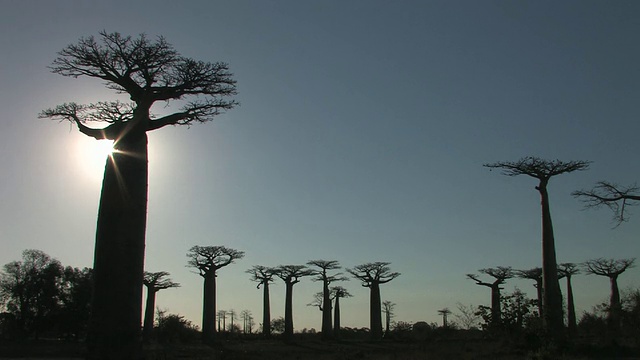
{"x":361,"y":135}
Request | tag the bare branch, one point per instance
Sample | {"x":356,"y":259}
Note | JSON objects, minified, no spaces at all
{"x":538,"y":168}
{"x":156,"y":281}
{"x":611,"y":195}
{"x":608,"y":267}
{"x":208,"y":259}
{"x":373,"y":273}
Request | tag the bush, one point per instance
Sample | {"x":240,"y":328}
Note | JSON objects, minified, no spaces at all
{"x":174,"y":328}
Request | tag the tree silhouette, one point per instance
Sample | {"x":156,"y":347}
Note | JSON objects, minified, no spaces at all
{"x":500,"y":274}
{"x":247,"y":321}
{"x":372,"y":276}
{"x":534,"y":274}
{"x":154,"y":281}
{"x":148,"y":71}
{"x":263,"y":276}
{"x":339,"y":292}
{"x":75,"y":299}
{"x":444,"y":312}
{"x":222,"y":320}
{"x":610,"y":268}
{"x":543,"y":170}
{"x":232,"y":315}
{"x":388,"y":310}
{"x":617,"y":198}
{"x":567,"y":270}
{"x":208,"y":260}
{"x":321,"y":274}
{"x":291,"y":275}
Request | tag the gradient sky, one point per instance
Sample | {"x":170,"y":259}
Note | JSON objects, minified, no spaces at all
{"x":361,"y":135}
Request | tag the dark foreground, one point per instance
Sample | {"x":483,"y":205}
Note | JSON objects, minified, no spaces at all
{"x":313,"y":349}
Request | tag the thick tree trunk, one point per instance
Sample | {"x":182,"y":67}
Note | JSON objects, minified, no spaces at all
{"x":571,"y":309}
{"x":326,"y":312}
{"x":375,"y":312}
{"x":539,"y":293}
{"x":496,"y":313}
{"x":114,"y":327}
{"x":147,"y":330}
{"x":209,"y":308}
{"x":615,"y":306}
{"x":336,"y":318}
{"x":552,"y":297}
{"x":288,"y":313}
{"x":266,"y":310}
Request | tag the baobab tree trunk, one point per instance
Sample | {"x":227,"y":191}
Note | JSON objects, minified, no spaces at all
{"x":326,"y":313}
{"x":539,"y":293}
{"x":495,"y":306}
{"x":552,"y":297}
{"x":571,"y":309}
{"x":375,"y":312}
{"x":288,"y":313}
{"x":336,"y":318}
{"x":266,"y":310}
{"x":614,"y":304}
{"x":147,"y":329}
{"x":114,"y":327}
{"x":209,"y":308}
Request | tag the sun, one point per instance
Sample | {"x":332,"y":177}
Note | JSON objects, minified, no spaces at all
{"x":91,"y":156}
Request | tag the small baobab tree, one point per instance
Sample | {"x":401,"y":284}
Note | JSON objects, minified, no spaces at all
{"x":500,"y":274}
{"x":322,"y":267}
{"x":154,"y":281}
{"x":617,"y":198}
{"x":291,"y":275}
{"x":372,"y":275}
{"x":246,"y":321}
{"x":445,"y":312}
{"x":208,"y":260}
{"x":534,"y":274}
{"x":543,"y":170}
{"x":338,"y":293}
{"x":264,"y":276}
{"x":567,"y":270}
{"x":388,"y":308}
{"x":610,"y":268}
{"x":148,"y":71}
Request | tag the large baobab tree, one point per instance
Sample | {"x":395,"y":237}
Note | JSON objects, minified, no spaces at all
{"x":338,"y":293}
{"x":147,"y":71}
{"x":154,"y":281}
{"x":500,"y":274}
{"x":534,"y":274}
{"x":291,"y":275}
{"x":567,"y":270}
{"x":264,"y":276}
{"x":610,"y":268}
{"x":321,"y":274}
{"x":388,"y":308}
{"x":208,"y":260}
{"x":372,"y":275}
{"x":543,"y":170}
{"x":615,"y":197}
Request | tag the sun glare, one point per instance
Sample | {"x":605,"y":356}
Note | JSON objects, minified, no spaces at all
{"x":92,"y":155}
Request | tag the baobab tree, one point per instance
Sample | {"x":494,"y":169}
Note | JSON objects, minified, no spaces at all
{"x":567,"y":270}
{"x":222,"y":320}
{"x":444,"y":312}
{"x":543,"y":170}
{"x":208,"y":260}
{"x":534,"y":274}
{"x":610,"y":268}
{"x":321,"y":274}
{"x":291,"y":275}
{"x":264,"y":276}
{"x":388,"y":310}
{"x":154,"y":281}
{"x":500,"y":274}
{"x":338,"y":293}
{"x":246,"y":321}
{"x":617,"y":198}
{"x":147,"y":71}
{"x":372,"y":275}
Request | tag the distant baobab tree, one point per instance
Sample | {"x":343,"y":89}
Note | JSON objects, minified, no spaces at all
{"x":444,"y":312}
{"x":388,"y":308}
{"x":534,"y":274}
{"x":543,"y":170}
{"x":208,"y":260}
{"x":222,"y":320}
{"x":264,"y":276}
{"x":154,"y":281}
{"x":321,"y":274}
{"x":247,"y":320}
{"x":372,"y":275}
{"x":500,"y":274}
{"x":338,"y":293}
{"x":615,"y":197}
{"x":291,"y":275}
{"x":567,"y":270}
{"x":147,"y":71}
{"x":610,"y":268}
